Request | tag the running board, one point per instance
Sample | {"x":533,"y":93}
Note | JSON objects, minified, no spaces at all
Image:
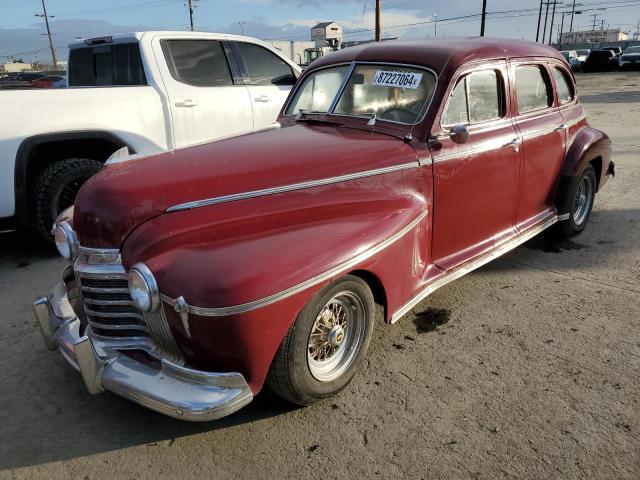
{"x":472,"y":265}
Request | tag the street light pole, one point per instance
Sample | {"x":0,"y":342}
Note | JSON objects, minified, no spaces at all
{"x":46,"y":21}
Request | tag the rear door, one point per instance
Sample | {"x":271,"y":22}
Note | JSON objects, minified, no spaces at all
{"x":206,"y":96}
{"x":542,"y":132}
{"x":269,"y":80}
{"x":476,"y":182}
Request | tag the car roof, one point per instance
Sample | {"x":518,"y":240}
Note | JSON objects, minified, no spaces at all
{"x":437,"y":54}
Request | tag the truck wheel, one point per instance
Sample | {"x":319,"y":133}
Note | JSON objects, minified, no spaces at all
{"x":582,"y":196}
{"x":56,"y":189}
{"x":321,"y":352}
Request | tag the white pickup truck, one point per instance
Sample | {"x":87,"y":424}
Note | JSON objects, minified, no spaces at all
{"x":150,"y":92}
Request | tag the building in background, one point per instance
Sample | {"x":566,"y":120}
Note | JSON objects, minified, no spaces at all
{"x":327,"y":38}
{"x":16,"y":67}
{"x":293,"y":49}
{"x":593,"y":36}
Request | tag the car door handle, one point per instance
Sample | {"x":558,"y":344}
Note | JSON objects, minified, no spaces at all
{"x":562,"y":126}
{"x":515,"y":143}
{"x":187,"y":102}
{"x":263,"y":98}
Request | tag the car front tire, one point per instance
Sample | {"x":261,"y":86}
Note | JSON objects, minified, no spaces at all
{"x":323,"y":348}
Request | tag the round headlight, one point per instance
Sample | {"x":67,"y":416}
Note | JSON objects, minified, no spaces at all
{"x":65,"y":240}
{"x":143,"y":288}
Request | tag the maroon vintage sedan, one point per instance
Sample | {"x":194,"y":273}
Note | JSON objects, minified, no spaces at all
{"x":198,"y":274}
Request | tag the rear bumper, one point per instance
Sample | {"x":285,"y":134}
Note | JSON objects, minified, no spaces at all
{"x":170,"y":389}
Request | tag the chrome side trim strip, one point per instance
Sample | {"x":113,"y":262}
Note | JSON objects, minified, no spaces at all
{"x":262,"y":302}
{"x":473,"y":265}
{"x":289,"y":188}
{"x":489,"y":145}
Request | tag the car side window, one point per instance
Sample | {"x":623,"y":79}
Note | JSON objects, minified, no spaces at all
{"x":476,"y":98}
{"x":201,"y":63}
{"x":264,"y":67}
{"x":532,"y":88}
{"x":564,"y":86}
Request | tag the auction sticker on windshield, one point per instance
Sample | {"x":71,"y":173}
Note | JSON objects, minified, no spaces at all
{"x":386,"y":78}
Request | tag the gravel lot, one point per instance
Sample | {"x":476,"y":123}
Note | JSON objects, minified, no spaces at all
{"x":526,"y":368}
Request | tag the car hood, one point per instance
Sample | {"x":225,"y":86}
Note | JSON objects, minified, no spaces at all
{"x":124,"y":195}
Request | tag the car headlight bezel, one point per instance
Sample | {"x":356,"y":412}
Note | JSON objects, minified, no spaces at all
{"x":143,"y":288}
{"x":65,"y":240}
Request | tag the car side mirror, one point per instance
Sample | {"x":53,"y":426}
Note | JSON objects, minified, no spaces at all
{"x":459,"y":133}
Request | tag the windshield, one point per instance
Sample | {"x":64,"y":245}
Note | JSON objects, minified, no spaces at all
{"x":393,"y":93}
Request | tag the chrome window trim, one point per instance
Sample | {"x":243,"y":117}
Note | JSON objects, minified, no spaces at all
{"x":289,"y":188}
{"x":327,"y":275}
{"x":353,"y":65}
{"x":500,"y":250}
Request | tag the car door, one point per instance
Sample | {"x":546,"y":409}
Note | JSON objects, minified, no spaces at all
{"x":475,"y":182}
{"x":206,"y":100}
{"x":269,"y":80}
{"x":542,"y":131}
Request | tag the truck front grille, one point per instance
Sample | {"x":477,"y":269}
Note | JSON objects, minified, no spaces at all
{"x":109,"y":309}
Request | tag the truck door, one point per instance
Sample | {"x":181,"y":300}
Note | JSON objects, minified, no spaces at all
{"x":206,"y":100}
{"x":269,"y":80}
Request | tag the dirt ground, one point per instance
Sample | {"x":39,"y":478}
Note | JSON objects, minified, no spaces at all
{"x":528,"y":368}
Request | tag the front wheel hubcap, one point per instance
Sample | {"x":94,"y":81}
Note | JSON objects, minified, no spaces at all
{"x":336,"y":336}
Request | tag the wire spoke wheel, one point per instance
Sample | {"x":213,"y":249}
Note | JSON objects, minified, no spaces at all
{"x":582,"y":200}
{"x":335,"y":336}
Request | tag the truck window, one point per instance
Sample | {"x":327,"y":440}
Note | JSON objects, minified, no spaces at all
{"x":532,"y":88}
{"x":201,"y":63}
{"x":477,"y":98}
{"x":106,"y":65}
{"x":264,"y":67}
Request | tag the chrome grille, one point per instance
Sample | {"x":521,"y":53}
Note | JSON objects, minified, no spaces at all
{"x":110,"y":311}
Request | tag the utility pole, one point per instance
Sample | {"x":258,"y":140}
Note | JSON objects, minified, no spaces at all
{"x":241,"y":27}
{"x":539,"y":18}
{"x":546,"y":15}
{"x":553,"y":15}
{"x":46,"y":21}
{"x":435,"y":25}
{"x":191,"y":7}
{"x":637,"y":35}
{"x":573,"y":10}
{"x":378,"y":33}
{"x":484,"y":17}
{"x":595,"y":17}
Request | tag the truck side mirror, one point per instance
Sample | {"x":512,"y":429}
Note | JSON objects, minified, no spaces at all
{"x":459,"y":133}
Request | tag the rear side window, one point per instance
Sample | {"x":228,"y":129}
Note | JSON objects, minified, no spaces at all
{"x":564,"y":85}
{"x":532,"y":89}
{"x":201,"y":63}
{"x":264,"y":67}
{"x":106,"y":65}
{"x":477,"y":98}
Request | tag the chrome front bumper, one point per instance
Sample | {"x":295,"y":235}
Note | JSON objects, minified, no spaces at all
{"x":172,"y":389}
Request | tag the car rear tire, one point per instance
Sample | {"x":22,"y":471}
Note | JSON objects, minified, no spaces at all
{"x":582,"y":195}
{"x":322,"y":350}
{"x":56,"y":189}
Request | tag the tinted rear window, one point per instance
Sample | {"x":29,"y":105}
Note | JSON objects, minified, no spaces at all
{"x":106,"y":65}
{"x":201,"y":63}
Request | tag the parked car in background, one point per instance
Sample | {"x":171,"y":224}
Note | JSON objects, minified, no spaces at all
{"x":617,"y":50}
{"x":600,"y":61}
{"x":148,"y":91}
{"x":51,"y":81}
{"x":583,"y":54}
{"x":572,"y":58}
{"x":630,"y":58}
{"x":197,"y":275}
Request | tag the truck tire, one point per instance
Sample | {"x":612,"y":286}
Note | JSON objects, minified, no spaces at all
{"x":56,"y":189}
{"x":322,"y":350}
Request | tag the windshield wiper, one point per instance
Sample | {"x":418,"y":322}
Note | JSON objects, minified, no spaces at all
{"x":302,"y":115}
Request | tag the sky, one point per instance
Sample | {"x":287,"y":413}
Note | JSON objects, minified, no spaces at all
{"x":22,"y":33}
